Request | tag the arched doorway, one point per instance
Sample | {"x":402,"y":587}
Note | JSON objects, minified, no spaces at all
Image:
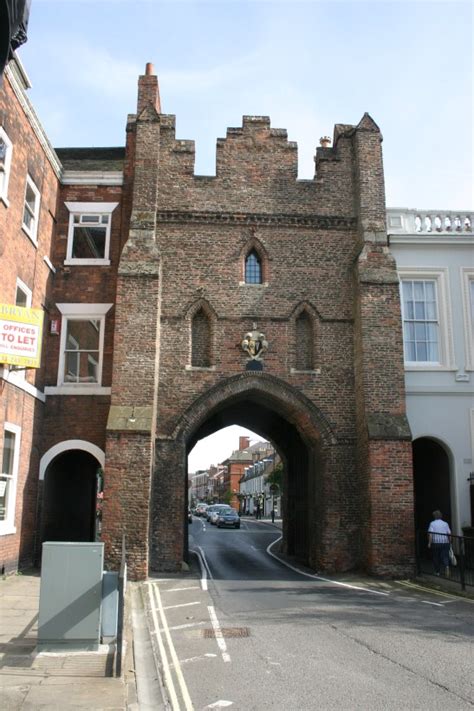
{"x":303,"y":438}
{"x":70,"y":497}
{"x":296,"y":454}
{"x":431,"y":474}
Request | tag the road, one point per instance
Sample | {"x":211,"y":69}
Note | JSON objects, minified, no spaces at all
{"x":254,"y":634}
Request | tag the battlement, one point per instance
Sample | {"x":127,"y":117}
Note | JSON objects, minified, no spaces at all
{"x":257,"y":166}
{"x":254,"y":124}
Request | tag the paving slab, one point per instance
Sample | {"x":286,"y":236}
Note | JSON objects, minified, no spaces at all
{"x":108,"y":695}
{"x":13,"y":697}
{"x":9,"y":678}
{"x":31,"y":680}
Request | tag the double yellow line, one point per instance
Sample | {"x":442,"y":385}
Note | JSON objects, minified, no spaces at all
{"x":156,"y":606}
{"x":450,"y":596}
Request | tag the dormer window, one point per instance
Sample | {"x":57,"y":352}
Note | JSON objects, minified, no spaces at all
{"x":253,"y":268}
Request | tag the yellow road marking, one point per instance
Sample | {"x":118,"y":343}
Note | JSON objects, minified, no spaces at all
{"x":435,"y":592}
{"x":164,"y":658}
{"x":164,"y":623}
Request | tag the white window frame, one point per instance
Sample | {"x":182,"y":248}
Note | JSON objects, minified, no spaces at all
{"x":78,"y":358}
{"x":8,"y":526}
{"x":18,"y":375}
{"x":445,"y":322}
{"x":20,"y":285}
{"x":467,"y":278}
{"x":32,"y":231}
{"x":89,"y":208}
{"x":7,"y":167}
{"x":80,"y":312}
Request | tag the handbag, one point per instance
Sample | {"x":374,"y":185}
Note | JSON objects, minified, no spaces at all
{"x":452,"y":557}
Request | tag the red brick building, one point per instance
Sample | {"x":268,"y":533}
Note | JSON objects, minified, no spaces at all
{"x":178,"y":304}
{"x":238,"y":462}
{"x":235,"y":464}
{"x":29,"y":184}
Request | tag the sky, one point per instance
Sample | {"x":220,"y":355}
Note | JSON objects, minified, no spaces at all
{"x":306,"y":64}
{"x":217,"y":447}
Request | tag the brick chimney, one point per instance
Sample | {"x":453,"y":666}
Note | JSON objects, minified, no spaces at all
{"x":244,"y":443}
{"x":148,"y":90}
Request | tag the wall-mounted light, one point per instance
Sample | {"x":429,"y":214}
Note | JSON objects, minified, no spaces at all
{"x":132,"y":417}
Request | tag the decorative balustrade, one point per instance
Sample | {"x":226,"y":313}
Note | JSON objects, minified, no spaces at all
{"x":430,"y":222}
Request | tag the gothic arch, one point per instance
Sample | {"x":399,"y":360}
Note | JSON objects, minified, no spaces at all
{"x":296,"y":427}
{"x":255,"y":245}
{"x":305,"y":306}
{"x":199,"y":303}
{"x":292,"y":404}
{"x":305,"y":337}
{"x":201,"y":319}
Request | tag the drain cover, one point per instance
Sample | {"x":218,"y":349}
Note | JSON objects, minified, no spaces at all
{"x":228,"y":632}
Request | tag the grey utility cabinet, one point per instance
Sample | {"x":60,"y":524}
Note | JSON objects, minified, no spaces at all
{"x":70,"y":596}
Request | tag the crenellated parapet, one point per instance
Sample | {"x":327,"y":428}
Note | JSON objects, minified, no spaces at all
{"x":257,"y":152}
{"x":255,"y":164}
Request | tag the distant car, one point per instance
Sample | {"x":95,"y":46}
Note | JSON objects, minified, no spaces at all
{"x":190,"y":516}
{"x":210,"y":509}
{"x":201,"y":509}
{"x":229,"y":519}
{"x":218,"y":511}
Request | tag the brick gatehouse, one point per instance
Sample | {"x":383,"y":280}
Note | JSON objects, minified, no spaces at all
{"x":331,"y":392}
{"x":195,"y":263}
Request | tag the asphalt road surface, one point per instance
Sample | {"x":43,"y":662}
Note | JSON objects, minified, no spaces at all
{"x":255,"y":634}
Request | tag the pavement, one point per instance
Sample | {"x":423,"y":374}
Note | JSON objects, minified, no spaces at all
{"x":83,"y":680}
{"x":33,"y":680}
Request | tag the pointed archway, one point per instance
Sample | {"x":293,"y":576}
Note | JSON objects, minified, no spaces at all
{"x":305,"y":441}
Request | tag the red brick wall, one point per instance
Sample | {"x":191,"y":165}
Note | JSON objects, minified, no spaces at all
{"x":308,"y":234}
{"x":81,"y":417}
{"x":20,"y":258}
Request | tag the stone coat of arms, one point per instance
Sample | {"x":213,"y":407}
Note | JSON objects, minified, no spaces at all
{"x":254,"y":344}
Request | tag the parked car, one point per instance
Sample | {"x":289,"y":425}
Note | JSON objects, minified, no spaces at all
{"x":228,"y":518}
{"x":201,"y":509}
{"x":210,"y":509}
{"x":218,"y":511}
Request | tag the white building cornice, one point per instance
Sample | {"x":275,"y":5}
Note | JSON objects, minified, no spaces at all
{"x":92,"y":177}
{"x":19,"y":82}
{"x":434,"y":239}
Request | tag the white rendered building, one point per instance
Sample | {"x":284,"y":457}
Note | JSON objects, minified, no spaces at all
{"x":434,"y":251}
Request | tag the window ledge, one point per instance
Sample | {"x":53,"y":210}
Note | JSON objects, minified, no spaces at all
{"x":49,"y":264}
{"x":204,"y":369}
{"x":87,"y":262}
{"x":313,"y":371}
{"x":245,"y":283}
{"x":29,"y":235}
{"x":5,"y":200}
{"x":7,"y":530}
{"x":76,"y":390}
{"x":414,"y":367}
